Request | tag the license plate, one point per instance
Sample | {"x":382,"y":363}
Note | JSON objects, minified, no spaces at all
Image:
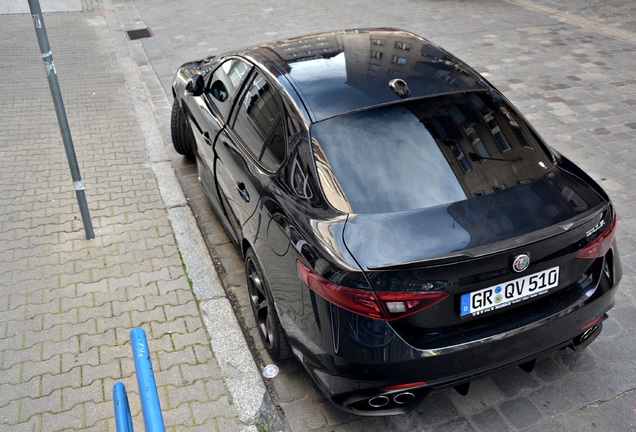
{"x":508,"y":293}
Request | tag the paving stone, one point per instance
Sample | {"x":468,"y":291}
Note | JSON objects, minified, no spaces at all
{"x":194,"y":372}
{"x":204,"y":355}
{"x":187,"y":393}
{"x":436,"y":408}
{"x":180,"y":414}
{"x":92,"y":373}
{"x":400,"y":423}
{"x":229,"y":424}
{"x":483,"y":393}
{"x":97,"y":415}
{"x":166,"y":376}
{"x":204,"y":410}
{"x":64,"y":421}
{"x":184,"y":356}
{"x":13,"y":357}
{"x":490,"y":420}
{"x":361,"y":425}
{"x":577,"y":362}
{"x":620,"y":410}
{"x":121,"y":321}
{"x":303,"y":414}
{"x":88,"y":341}
{"x":626,"y":316}
{"x":551,"y":426}
{"x":520,"y":412}
{"x":514,"y":381}
{"x":291,"y":385}
{"x":455,"y":425}
{"x":181,"y":340}
{"x":547,"y":370}
{"x":25,"y":389}
{"x":9,"y":414}
{"x":72,"y":360}
{"x":552,"y":400}
{"x":39,"y":405}
{"x":22,"y":327}
{"x":75,"y":394}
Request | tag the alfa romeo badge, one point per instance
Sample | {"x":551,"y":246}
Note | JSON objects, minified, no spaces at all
{"x":520,"y":263}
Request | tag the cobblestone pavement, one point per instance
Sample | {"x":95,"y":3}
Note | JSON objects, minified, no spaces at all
{"x":66,"y":304}
{"x":569,"y":66}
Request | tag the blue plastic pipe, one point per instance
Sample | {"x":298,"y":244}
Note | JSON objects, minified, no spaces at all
{"x":150,"y":407}
{"x":123,"y":420}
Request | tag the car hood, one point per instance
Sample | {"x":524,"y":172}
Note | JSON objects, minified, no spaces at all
{"x":548,"y":206}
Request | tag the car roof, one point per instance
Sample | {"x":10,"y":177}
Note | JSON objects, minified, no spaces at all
{"x":343,"y":71}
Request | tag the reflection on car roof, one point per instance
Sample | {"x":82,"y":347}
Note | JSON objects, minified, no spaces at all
{"x":340,"y":72}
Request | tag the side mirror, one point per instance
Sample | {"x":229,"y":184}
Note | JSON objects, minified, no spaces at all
{"x":195,"y":85}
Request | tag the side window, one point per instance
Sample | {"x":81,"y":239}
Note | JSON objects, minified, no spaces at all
{"x":273,"y":153}
{"x":259,"y":123}
{"x":300,"y":180}
{"x":225,"y":83}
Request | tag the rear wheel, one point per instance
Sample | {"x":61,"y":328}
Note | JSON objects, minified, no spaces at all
{"x":182,"y":137}
{"x":267,"y":322}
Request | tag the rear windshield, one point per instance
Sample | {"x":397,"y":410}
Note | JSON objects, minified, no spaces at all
{"x":425,"y":153}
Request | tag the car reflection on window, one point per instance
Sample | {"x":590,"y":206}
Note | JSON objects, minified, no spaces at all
{"x":218,"y":91}
{"x":300,"y":180}
{"x":435,"y":151}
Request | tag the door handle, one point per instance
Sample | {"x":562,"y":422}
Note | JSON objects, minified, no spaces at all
{"x":240,"y":186}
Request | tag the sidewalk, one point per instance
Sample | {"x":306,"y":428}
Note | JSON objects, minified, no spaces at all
{"x":67,"y":304}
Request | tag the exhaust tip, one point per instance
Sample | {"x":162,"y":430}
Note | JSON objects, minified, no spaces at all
{"x":403,"y":398}
{"x":583,"y":340}
{"x":587,"y":333}
{"x":378,"y":401}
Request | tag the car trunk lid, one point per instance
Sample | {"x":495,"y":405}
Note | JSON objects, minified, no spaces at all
{"x":468,"y":246}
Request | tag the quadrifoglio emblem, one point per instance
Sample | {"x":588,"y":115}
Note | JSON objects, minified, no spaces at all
{"x":520,"y":263}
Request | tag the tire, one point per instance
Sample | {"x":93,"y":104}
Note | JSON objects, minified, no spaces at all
{"x":267,"y":321}
{"x":182,"y":137}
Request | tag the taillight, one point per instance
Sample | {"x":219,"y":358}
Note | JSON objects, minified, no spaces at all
{"x":382,"y":305}
{"x":601,"y":245}
{"x":591,"y":323}
{"x":406,"y":386}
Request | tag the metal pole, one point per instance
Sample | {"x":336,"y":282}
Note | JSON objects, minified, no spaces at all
{"x":51,"y":73}
{"x":148,"y":396}
{"x":123,"y":420}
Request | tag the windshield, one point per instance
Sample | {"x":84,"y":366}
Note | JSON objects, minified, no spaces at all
{"x":425,"y":153}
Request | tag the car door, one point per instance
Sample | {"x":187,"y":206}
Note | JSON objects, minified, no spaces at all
{"x":210,"y":114}
{"x":250,"y":151}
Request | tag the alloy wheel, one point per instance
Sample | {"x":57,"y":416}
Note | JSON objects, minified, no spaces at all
{"x":261,"y":306}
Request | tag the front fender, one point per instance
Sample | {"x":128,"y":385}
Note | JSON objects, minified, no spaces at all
{"x":187,"y":71}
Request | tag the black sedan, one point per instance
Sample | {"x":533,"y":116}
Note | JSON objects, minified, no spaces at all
{"x":403,"y":227}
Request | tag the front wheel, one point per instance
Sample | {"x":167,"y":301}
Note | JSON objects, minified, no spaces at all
{"x":182,"y":137}
{"x":267,"y":322}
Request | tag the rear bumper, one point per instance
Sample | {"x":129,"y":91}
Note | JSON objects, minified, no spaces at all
{"x":366,"y":402}
{"x":377,"y":359}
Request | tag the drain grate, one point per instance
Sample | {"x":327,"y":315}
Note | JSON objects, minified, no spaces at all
{"x":139,"y":34}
